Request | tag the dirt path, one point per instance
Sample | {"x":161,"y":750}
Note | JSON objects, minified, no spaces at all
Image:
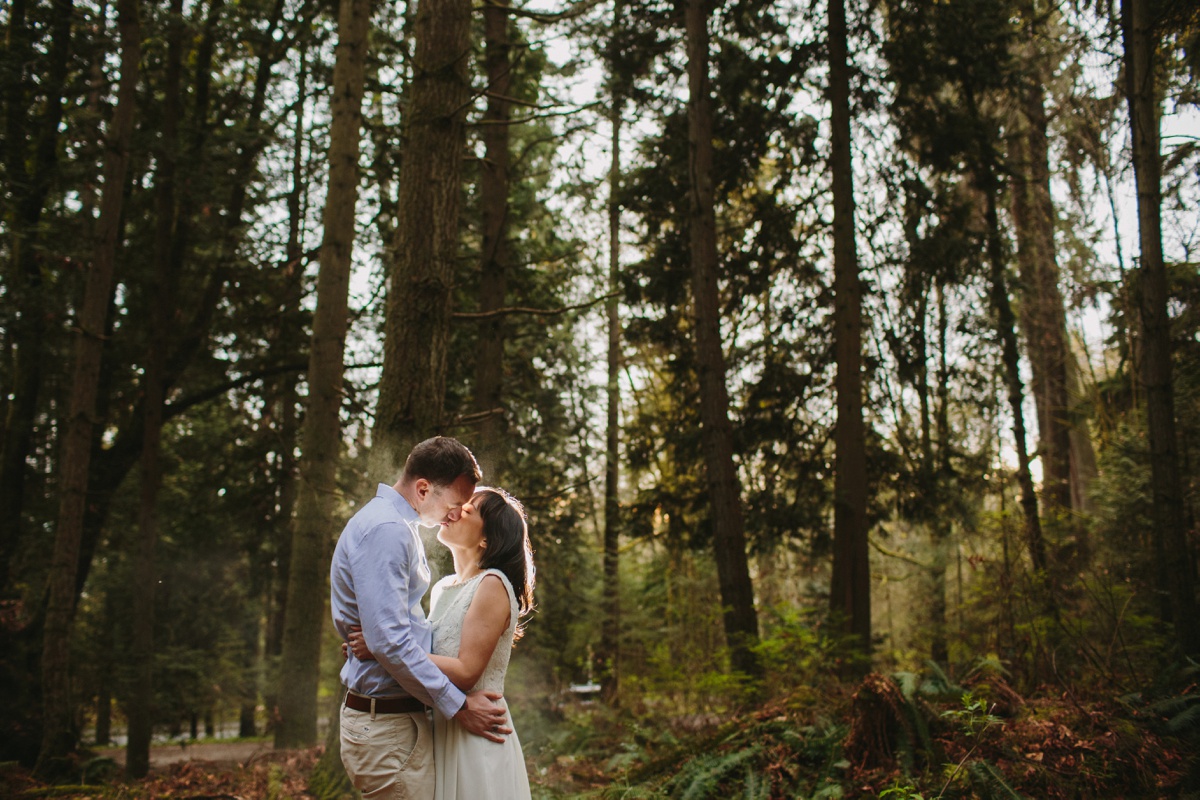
{"x":163,"y":755}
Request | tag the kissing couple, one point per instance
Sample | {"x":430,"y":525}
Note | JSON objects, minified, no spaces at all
{"x":402,"y":669}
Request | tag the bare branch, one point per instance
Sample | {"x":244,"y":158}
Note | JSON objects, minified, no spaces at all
{"x":464,"y":420}
{"x":539,"y":312}
{"x":181,"y":405}
{"x":895,"y":554}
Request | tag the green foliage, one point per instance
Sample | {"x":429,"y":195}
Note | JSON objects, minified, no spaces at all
{"x":703,"y":776}
{"x":760,"y":759}
{"x":901,"y":791}
{"x":328,"y":780}
{"x":99,"y":770}
{"x":795,"y":649}
{"x":989,"y":784}
{"x":974,"y":717}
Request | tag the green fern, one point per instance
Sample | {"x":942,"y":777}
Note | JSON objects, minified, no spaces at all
{"x":756,"y":786}
{"x":901,"y":791}
{"x":701,"y":777}
{"x":832,"y":792}
{"x":939,"y":684}
{"x":908,"y":682}
{"x":1187,"y":721}
{"x":1173,"y":705}
{"x":989,"y":783}
{"x":989,"y":665}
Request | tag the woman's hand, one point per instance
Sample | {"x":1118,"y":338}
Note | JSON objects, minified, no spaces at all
{"x":357,"y":645}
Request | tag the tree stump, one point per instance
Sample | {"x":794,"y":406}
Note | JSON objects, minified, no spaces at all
{"x":883,"y":724}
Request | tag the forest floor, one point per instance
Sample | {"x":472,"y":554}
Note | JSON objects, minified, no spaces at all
{"x":881,"y":737}
{"x":213,"y":771}
{"x":219,"y":753}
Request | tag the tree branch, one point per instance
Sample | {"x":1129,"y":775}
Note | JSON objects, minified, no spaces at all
{"x":894,"y":554}
{"x":540,"y":312}
{"x":178,"y":407}
{"x":464,"y":420}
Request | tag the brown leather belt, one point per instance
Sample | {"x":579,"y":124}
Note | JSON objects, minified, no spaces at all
{"x":384,"y":705}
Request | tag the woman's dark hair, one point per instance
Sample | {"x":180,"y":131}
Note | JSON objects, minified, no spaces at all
{"x":507,"y":537}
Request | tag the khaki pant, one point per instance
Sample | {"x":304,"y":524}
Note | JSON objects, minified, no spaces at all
{"x":390,"y":756}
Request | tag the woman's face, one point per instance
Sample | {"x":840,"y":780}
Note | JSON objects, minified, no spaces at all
{"x":466,"y":532}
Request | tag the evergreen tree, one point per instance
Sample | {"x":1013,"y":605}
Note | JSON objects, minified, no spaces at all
{"x":59,"y":736}
{"x":316,"y":512}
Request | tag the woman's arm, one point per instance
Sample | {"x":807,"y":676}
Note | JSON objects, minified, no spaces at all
{"x":485,"y":623}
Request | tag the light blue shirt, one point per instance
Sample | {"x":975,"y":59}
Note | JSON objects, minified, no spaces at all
{"x":378,"y":577}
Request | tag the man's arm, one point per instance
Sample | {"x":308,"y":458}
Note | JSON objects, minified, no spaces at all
{"x":382,"y":582}
{"x":479,"y":713}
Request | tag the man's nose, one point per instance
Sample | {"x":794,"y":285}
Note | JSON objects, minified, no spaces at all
{"x":453,"y":514}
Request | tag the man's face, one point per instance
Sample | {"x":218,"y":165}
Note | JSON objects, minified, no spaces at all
{"x":438,"y":505}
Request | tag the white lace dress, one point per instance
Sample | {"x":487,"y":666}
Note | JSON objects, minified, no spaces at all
{"x":470,"y":767}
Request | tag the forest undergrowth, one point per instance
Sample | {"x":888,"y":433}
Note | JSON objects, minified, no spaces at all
{"x":904,"y":736}
{"x":898,"y":736}
{"x":279,"y":775}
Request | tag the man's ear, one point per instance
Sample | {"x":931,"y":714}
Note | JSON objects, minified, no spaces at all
{"x":422,"y":488}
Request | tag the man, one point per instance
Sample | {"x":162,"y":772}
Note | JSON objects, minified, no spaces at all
{"x":378,"y":577}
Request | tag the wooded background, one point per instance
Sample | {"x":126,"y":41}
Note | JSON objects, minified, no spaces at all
{"x":817,"y":339}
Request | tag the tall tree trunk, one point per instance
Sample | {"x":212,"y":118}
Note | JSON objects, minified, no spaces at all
{"x":610,"y":639}
{"x":417,"y":329}
{"x":1042,"y":315}
{"x":1084,"y":469}
{"x":58,"y":734}
{"x":850,"y":589}
{"x":1141,"y":41}
{"x":930,"y":487}
{"x":30,"y":172}
{"x":943,"y":471}
{"x":1006,"y":329}
{"x":493,"y":267}
{"x":140,"y":702}
{"x":988,"y":184}
{"x":106,"y":677}
{"x":273,"y":590}
{"x":729,"y":545}
{"x":318,"y":503}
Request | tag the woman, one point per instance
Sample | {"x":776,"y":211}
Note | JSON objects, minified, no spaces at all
{"x":476,"y":616}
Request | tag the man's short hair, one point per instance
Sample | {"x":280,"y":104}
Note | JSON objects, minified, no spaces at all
{"x":441,"y":460}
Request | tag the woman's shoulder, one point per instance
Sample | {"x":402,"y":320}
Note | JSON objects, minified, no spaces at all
{"x":508,"y":587}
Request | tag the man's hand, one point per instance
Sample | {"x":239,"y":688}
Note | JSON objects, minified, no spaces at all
{"x":481,"y":716}
{"x":357,"y":645}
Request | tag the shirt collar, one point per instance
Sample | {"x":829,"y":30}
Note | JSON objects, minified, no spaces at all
{"x":402,"y":506}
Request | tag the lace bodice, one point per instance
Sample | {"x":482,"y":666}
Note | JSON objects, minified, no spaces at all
{"x":448,"y":608}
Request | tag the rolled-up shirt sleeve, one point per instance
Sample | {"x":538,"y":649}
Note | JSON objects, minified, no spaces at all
{"x":383,"y":585}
